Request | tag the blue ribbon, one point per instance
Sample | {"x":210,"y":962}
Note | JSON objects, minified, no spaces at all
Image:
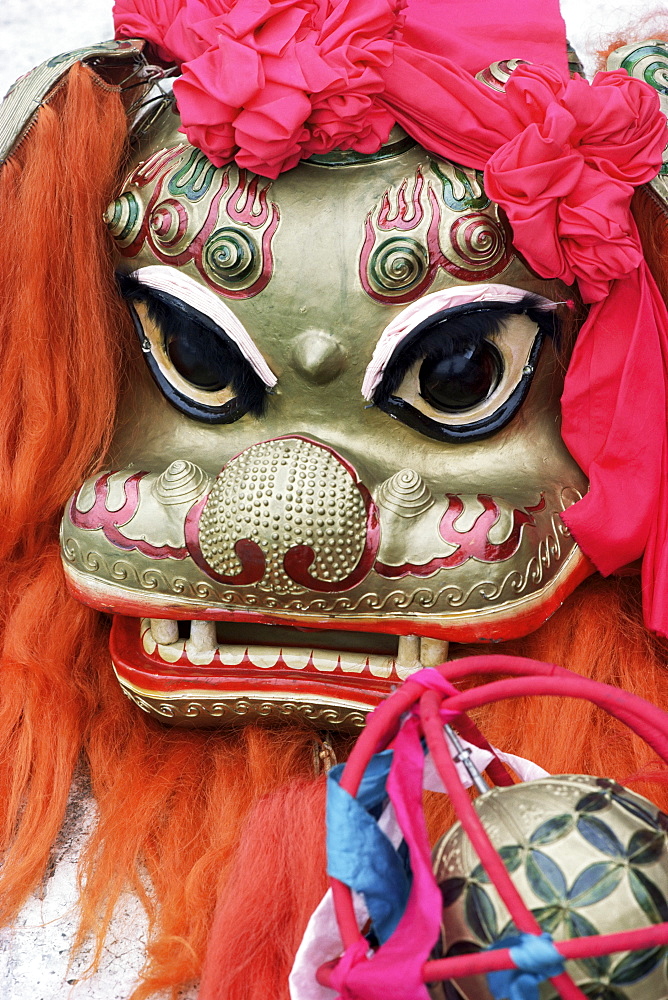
{"x":536,"y":959}
{"x":358,"y":852}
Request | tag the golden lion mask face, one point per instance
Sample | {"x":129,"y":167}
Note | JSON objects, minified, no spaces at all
{"x":251,"y":482}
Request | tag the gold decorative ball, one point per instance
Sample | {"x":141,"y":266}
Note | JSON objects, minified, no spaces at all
{"x":588,"y":857}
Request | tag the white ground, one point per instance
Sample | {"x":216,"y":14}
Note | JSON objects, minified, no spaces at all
{"x":34,"y":955}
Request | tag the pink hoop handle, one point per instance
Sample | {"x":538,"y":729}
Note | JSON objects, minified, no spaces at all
{"x":529,"y":677}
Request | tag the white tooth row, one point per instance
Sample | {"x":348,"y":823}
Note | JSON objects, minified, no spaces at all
{"x":161,"y":635}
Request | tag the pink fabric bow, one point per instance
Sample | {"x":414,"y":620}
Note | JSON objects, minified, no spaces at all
{"x":566,"y":178}
{"x":269,"y":82}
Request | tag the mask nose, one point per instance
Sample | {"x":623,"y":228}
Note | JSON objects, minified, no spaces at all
{"x":286,"y":515}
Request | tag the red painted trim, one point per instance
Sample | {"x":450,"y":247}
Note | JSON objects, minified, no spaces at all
{"x":99,"y":517}
{"x":471,"y":544}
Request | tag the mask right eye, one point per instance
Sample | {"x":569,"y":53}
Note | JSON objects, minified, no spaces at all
{"x":196,"y":365}
{"x":462,"y":373}
{"x":461,"y":381}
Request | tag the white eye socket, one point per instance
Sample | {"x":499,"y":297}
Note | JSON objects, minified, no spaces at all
{"x":471,"y":381}
{"x":462,"y":374}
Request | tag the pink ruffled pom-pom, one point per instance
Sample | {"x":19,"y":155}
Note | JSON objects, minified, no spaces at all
{"x":271,"y":81}
{"x":566,"y":178}
{"x":161,"y":22}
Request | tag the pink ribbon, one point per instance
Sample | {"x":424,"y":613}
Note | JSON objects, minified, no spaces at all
{"x":394,"y":971}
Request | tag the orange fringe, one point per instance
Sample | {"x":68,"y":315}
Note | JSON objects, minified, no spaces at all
{"x":277,"y":881}
{"x":59,"y":372}
{"x":172,"y":809}
{"x":185,"y":818}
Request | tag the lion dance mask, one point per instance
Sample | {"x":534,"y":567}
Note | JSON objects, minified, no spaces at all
{"x":283,"y":355}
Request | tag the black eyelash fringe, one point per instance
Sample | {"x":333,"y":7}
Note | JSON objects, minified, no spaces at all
{"x":451,"y":332}
{"x":204,"y":339}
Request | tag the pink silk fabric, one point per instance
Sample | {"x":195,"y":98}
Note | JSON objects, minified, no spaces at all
{"x":267,"y":82}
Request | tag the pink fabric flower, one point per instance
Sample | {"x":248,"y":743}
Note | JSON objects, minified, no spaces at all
{"x":269,"y":82}
{"x":160,"y":22}
{"x":566,"y":178}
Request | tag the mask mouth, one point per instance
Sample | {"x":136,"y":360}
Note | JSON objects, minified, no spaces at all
{"x":203,"y":642}
{"x":278,"y":591}
{"x":206,"y":673}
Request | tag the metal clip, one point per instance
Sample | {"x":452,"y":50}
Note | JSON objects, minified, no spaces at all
{"x":462,"y":755}
{"x":324,"y":757}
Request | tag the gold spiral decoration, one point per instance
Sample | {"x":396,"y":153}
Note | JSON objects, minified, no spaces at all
{"x":405,"y":493}
{"x":398,"y":265}
{"x":496,"y":75}
{"x":479,"y":242}
{"x":646,"y":61}
{"x":123,"y":218}
{"x":229,"y":256}
{"x":168,"y":223}
{"x":181,"y":482}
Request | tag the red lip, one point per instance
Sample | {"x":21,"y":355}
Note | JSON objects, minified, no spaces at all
{"x":339,"y":698}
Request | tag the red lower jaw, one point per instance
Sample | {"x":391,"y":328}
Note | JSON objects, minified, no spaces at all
{"x":234,"y":684}
{"x":242,"y":684}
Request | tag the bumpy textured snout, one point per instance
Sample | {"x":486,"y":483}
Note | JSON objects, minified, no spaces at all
{"x":289,"y":512}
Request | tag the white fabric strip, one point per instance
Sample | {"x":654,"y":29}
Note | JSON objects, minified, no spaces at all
{"x":322,"y":940}
{"x":427,"y":306}
{"x":167,"y":279}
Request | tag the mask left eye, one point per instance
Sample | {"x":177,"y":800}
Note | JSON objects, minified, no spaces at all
{"x":463,"y":375}
{"x":195,"y":358}
{"x":196,"y":365}
{"x":462,"y":380}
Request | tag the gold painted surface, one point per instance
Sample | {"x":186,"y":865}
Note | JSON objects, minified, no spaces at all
{"x":405,"y":493}
{"x":398,"y":611}
{"x":198,"y":709}
{"x":579,"y":850}
{"x":180,"y":482}
{"x":280,"y":494}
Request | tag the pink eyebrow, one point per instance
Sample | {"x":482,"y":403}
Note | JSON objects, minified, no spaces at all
{"x":448,"y":298}
{"x":181,"y":286}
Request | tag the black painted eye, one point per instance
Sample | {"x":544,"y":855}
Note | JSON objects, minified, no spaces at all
{"x":195,"y":363}
{"x":463,"y":373}
{"x":463,"y":379}
{"x":198,"y":360}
